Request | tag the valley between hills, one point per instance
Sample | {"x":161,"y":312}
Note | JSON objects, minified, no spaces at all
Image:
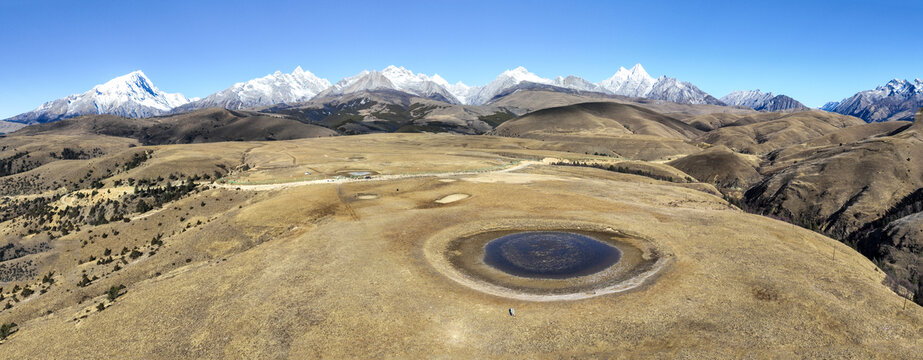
{"x":337,"y":229}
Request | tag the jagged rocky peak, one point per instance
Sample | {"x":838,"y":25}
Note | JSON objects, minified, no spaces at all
{"x":896,"y":100}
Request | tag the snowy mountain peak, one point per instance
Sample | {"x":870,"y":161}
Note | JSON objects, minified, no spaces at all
{"x":135,"y":86}
{"x":136,"y":76}
{"x":510,"y":78}
{"x":439,"y":80}
{"x":896,"y":100}
{"x":518,"y":70}
{"x":639,"y":71}
{"x":748,"y":98}
{"x":520,"y":74}
{"x":758,"y":100}
{"x":577,"y":83}
{"x":395,"y":78}
{"x":274,"y":88}
{"x":635,"y":82}
{"x":130,"y":95}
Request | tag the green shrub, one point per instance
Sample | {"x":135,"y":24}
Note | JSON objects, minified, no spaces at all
{"x":114,"y":292}
{"x":7,"y":329}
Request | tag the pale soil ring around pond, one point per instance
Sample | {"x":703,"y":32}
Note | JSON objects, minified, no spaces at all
{"x":545,"y":260}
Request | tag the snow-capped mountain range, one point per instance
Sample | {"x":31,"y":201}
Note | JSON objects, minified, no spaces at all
{"x":896,"y":100}
{"x":635,"y":83}
{"x":129,"y":95}
{"x":760,"y":101}
{"x":134,"y":95}
{"x":276,"y":88}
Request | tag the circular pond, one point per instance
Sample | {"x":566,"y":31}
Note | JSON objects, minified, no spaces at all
{"x":549,"y":254}
{"x":545,"y":260}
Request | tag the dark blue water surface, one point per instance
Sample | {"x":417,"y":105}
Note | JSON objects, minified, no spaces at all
{"x":549,"y":254}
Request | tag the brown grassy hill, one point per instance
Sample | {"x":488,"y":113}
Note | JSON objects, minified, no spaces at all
{"x":597,"y":118}
{"x":393,"y":111}
{"x":841,"y":137}
{"x":763,"y":132}
{"x":839,"y":188}
{"x":207,"y":125}
{"x":851,"y":191}
{"x":729,"y":171}
{"x":529,"y":100}
{"x":270,"y":267}
{"x":8,"y":127}
{"x":605,"y":128}
{"x":897,"y":244}
{"x":22,"y":153}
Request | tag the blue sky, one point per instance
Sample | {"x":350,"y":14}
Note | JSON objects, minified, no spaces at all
{"x":814,"y":51}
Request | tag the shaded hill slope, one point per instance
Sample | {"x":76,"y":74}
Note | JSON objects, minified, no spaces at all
{"x":598,"y":118}
{"x":763,"y":132}
{"x":729,"y":171}
{"x":208,"y":125}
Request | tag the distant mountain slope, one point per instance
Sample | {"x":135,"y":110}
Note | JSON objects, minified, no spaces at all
{"x":598,"y":118}
{"x":760,"y":101}
{"x":130,"y":95}
{"x":728,"y":170}
{"x":530,"y":97}
{"x":275,"y":88}
{"x":200,"y":126}
{"x":860,"y":192}
{"x":896,"y":100}
{"x":605,"y":128}
{"x":388,"y":110}
{"x":8,"y":126}
{"x":761,"y":133}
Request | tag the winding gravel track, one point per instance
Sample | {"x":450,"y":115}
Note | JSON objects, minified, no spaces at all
{"x":283,"y":185}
